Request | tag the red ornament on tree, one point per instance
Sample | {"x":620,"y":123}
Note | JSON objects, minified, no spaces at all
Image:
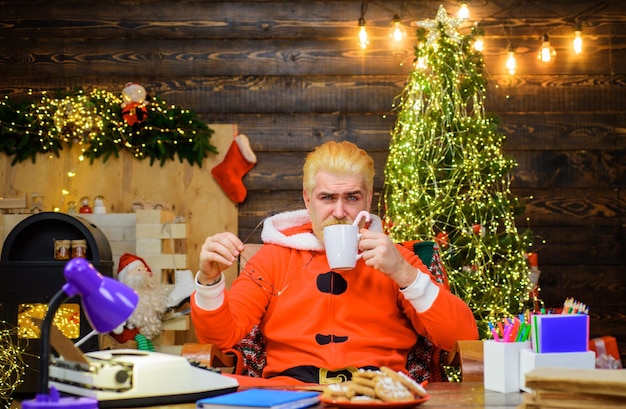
{"x":479,"y":230}
{"x":442,"y":239}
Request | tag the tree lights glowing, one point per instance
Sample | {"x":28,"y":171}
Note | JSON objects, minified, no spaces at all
{"x":95,"y":121}
{"x":447,"y":180}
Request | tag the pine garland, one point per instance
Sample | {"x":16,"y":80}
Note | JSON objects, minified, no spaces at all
{"x":95,"y":121}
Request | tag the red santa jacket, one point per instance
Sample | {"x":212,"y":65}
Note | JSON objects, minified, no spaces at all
{"x":310,"y":315}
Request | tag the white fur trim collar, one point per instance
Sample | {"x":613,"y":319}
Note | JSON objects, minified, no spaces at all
{"x":274,"y":226}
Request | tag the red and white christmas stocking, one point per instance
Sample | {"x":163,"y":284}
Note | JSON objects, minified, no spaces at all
{"x":229,"y":173}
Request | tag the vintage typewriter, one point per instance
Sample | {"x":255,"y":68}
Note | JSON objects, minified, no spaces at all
{"x":129,"y":377}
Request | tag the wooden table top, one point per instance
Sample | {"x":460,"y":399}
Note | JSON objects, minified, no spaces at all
{"x":446,"y":395}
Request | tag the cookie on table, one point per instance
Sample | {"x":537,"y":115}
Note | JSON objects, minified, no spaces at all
{"x":405,"y":380}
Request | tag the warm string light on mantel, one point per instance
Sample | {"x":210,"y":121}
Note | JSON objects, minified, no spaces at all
{"x":96,"y":124}
{"x":66,"y":191}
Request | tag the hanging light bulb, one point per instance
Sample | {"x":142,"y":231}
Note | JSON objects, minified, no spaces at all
{"x":397,"y":32}
{"x":478,"y":33}
{"x":420,"y":63}
{"x":511,"y":63}
{"x":578,"y":41}
{"x":547,"y":52}
{"x":464,"y":11}
{"x":478,"y":43}
{"x":363,"y":39}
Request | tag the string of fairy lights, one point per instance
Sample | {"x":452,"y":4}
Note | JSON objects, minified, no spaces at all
{"x":103,"y":124}
{"x":14,"y":339}
{"x":546,"y":52}
{"x":12,"y":365}
{"x":95,"y":121}
{"x":66,"y":319}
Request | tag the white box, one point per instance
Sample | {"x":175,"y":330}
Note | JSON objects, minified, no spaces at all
{"x":501,"y":365}
{"x":530,"y":360}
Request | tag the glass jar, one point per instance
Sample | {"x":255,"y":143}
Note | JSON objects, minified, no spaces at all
{"x":79,"y":248}
{"x":62,"y":249}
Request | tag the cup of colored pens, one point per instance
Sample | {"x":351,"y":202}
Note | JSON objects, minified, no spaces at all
{"x":573,"y":306}
{"x":510,"y":330}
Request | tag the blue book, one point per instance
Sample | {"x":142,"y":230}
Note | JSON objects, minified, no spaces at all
{"x":262,"y":398}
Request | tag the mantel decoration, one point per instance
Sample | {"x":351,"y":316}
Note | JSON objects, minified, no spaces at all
{"x":103,"y":124}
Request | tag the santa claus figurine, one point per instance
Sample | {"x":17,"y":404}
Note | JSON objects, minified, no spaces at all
{"x":134,"y":103}
{"x":146,"y":319}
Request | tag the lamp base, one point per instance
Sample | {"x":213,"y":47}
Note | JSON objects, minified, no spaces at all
{"x":53,"y":400}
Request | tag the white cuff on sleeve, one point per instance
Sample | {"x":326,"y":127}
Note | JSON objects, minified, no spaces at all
{"x":210,"y":297}
{"x":422,"y":292}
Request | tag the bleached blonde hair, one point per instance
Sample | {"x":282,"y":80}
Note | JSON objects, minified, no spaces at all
{"x":339,"y":158}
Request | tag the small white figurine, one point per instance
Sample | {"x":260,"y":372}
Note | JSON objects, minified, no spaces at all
{"x":98,"y":205}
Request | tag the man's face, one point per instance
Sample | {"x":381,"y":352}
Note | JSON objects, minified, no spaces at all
{"x":336,"y":199}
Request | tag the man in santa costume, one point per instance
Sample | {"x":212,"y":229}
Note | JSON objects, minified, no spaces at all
{"x":146,"y":319}
{"x":316,"y":319}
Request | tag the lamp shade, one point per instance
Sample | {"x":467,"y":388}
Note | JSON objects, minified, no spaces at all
{"x":107,"y":302}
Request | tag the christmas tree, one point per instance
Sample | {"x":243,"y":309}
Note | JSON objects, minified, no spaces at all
{"x":447,"y":179}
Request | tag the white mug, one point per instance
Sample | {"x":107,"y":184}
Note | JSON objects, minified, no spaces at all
{"x":341,"y":242}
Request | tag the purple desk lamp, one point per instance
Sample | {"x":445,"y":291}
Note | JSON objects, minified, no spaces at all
{"x":107,"y":304}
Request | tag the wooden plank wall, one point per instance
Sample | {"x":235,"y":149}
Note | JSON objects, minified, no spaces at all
{"x":291,"y":75}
